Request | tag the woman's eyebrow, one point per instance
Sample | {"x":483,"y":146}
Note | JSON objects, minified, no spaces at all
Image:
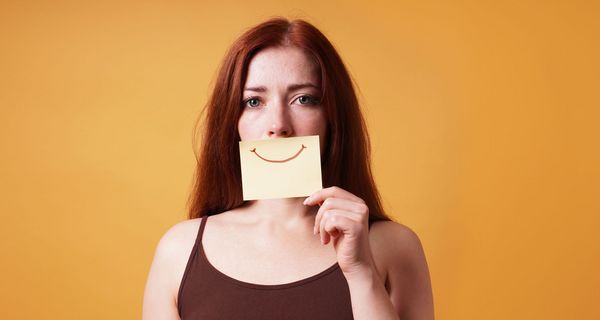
{"x":291,"y":87}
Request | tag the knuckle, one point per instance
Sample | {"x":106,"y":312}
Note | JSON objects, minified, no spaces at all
{"x":364,"y":208}
{"x":361,"y":208}
{"x":330,"y":221}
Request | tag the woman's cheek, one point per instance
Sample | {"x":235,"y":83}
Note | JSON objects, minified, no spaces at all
{"x":246,"y":124}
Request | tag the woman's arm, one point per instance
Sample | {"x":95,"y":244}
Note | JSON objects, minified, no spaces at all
{"x":166,"y":272}
{"x":409,"y":285}
{"x":343,"y":220}
{"x":369,"y":297}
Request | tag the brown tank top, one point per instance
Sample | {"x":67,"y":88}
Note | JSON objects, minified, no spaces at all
{"x":205,"y":293}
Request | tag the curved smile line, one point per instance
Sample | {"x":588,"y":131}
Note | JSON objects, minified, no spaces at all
{"x":279,"y":161}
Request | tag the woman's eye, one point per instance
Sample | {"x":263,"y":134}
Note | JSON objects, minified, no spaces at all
{"x":252,"y":102}
{"x":306,"y":99}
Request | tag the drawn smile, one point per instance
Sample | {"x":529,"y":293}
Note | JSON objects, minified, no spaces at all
{"x":278,"y":161}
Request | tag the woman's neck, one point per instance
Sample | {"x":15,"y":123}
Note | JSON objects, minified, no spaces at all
{"x":281,"y":212}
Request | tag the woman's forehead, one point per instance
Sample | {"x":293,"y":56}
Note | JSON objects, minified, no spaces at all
{"x":289,"y":65}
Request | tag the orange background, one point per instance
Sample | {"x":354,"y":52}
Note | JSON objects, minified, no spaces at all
{"x":483,"y":114}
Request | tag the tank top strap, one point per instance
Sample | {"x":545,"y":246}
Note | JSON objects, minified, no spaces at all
{"x":190,"y":262}
{"x":201,"y":230}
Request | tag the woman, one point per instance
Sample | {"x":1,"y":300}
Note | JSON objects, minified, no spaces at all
{"x":333,"y":255}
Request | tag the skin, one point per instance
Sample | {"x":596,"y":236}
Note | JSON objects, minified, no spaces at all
{"x":278,"y":241}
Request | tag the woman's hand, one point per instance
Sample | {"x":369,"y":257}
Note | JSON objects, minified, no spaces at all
{"x":344,"y":219}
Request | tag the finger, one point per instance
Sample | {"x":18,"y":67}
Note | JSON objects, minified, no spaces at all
{"x":358,"y":217}
{"x":321,"y":225}
{"x":336,"y":225}
{"x":339,"y":204}
{"x":331,"y":215}
{"x":325,"y":238}
{"x":331,"y":192}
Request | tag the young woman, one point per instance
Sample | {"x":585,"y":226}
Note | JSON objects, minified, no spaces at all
{"x":333,"y":255}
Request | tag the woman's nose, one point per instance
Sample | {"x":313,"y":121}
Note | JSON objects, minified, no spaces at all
{"x":280,"y":124}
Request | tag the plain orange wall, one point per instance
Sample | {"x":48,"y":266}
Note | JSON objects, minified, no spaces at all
{"x":483,"y":115}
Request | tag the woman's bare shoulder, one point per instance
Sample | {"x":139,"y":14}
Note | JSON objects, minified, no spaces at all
{"x":170,"y":258}
{"x":398,"y":250}
{"x":395,"y":247}
{"x":176,"y":244}
{"x":180,"y":233}
{"x":394,"y":237}
{"x":178,"y":239}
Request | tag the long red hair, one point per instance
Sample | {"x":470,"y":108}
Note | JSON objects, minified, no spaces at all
{"x":346,"y":162}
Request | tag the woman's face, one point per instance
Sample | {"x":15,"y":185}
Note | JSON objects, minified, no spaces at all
{"x":281,"y":97}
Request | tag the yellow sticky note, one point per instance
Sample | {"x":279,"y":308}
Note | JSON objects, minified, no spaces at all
{"x":280,"y":168}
